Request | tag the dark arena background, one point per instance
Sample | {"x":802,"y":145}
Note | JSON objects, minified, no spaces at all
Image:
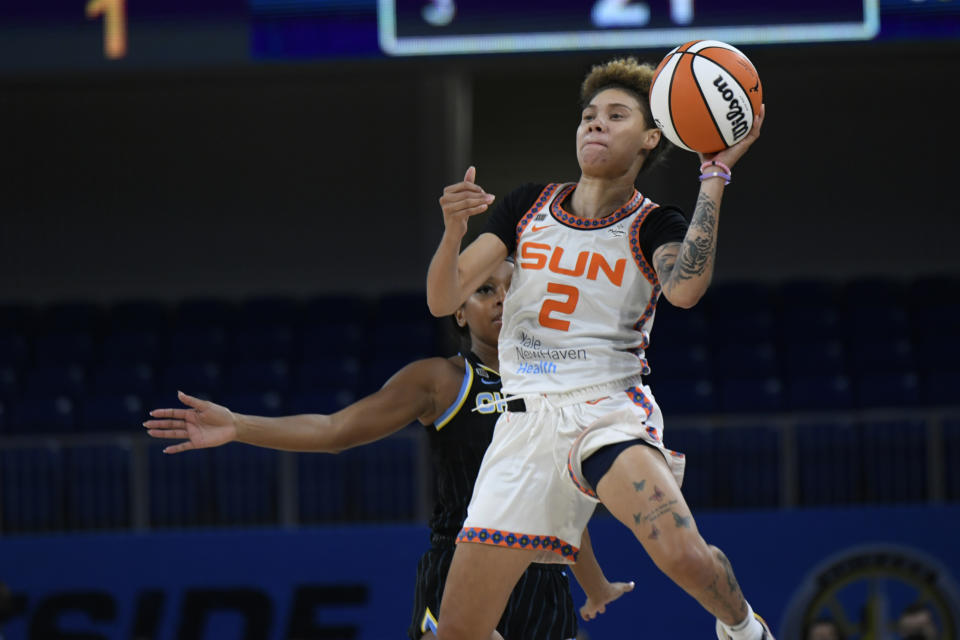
{"x":239,"y":199}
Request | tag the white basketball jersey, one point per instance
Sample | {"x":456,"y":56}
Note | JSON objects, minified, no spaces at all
{"x":581,"y":305}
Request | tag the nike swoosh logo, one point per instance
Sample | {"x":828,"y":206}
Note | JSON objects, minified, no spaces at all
{"x":536,"y":228}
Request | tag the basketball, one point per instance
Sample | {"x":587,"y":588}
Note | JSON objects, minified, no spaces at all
{"x":704,"y":95}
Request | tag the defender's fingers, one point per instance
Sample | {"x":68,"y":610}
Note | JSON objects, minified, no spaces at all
{"x":177,"y":448}
{"x":165,"y":424}
{"x":168,"y":434}
{"x":176,"y":414}
{"x":471,"y":174}
{"x":190,"y":401}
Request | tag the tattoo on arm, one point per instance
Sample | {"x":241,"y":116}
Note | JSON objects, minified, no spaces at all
{"x":638,"y":486}
{"x":693,"y":257}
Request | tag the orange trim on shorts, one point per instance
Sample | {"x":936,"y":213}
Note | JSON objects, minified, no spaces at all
{"x":518,"y":541}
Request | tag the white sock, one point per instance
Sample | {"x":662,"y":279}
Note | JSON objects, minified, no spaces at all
{"x":747,"y":629}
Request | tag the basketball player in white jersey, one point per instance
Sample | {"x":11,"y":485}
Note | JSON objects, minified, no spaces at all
{"x":592,"y":258}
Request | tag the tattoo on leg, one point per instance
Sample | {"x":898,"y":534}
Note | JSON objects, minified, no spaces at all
{"x":657,"y":494}
{"x":638,"y":486}
{"x":731,"y":579}
{"x":681,"y":521}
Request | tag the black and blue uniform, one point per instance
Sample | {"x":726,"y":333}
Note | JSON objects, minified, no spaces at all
{"x":540,"y":607}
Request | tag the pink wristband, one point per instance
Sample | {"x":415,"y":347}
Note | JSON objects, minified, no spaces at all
{"x":714,"y":163}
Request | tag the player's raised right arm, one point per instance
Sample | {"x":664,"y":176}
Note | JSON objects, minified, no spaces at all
{"x":453,"y":275}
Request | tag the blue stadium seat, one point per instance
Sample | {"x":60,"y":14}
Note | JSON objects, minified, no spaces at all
{"x":205,"y":313}
{"x":14,"y":349}
{"x":674,"y":326}
{"x":196,"y":378}
{"x":814,"y":358}
{"x":938,"y":353}
{"x":874,"y":293}
{"x":245,"y":485}
{"x":829,"y":464}
{"x":898,"y":389}
{"x":78,"y":316}
{"x":895,"y":461}
{"x":699,"y":446}
{"x":336,"y":309}
{"x":743,"y":325}
{"x":139,"y":315}
{"x":688,"y":396}
{"x":748,"y":463}
{"x":258,"y":375}
{"x":63,"y":347}
{"x":328,"y":373}
{"x":933,"y":290}
{"x":383,"y":477}
{"x":130,"y":345}
{"x":936,"y":321}
{"x":98,"y":487}
{"x":795,"y":295}
{"x":111,"y":412}
{"x":269,"y":311}
{"x":265,"y":403}
{"x":670,"y":361}
{"x":323,"y":486}
{"x":17,"y":317}
{"x":130,"y":378}
{"x":263,"y":342}
{"x":9,"y":381}
{"x":42,"y":413}
{"x":871,"y":323}
{"x":327,"y":341}
{"x":407,"y":341}
{"x":940,"y":389}
{"x":750,"y":395}
{"x":378,"y":370}
{"x":404,"y":308}
{"x":882,"y":356}
{"x":196,"y":343}
{"x":31,"y":489}
{"x":181,"y":487}
{"x":746,"y":359}
{"x":951,"y":453}
{"x":806,"y":324}
{"x":819,"y":393}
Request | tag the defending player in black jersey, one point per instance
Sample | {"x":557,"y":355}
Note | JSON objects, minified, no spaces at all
{"x":442,"y":394}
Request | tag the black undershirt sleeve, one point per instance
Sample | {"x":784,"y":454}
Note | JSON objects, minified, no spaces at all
{"x":663,"y":225}
{"x":507,"y":212}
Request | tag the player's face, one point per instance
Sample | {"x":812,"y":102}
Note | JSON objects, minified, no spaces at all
{"x":612,"y":135}
{"x":483,"y":310}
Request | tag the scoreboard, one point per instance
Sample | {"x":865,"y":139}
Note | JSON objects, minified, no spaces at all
{"x":59,"y":35}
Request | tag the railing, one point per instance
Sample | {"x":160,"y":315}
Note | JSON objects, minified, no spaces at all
{"x":123,"y":481}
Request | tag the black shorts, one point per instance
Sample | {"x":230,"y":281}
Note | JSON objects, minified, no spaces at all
{"x":540,"y":607}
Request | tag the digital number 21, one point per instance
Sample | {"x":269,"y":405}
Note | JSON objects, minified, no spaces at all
{"x":624,"y":13}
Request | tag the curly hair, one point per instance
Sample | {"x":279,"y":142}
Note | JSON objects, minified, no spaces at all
{"x":634,"y":77}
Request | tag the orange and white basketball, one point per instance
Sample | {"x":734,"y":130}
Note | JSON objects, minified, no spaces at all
{"x":704,"y":95}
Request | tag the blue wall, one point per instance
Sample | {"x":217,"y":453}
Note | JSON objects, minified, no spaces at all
{"x":361,"y":578}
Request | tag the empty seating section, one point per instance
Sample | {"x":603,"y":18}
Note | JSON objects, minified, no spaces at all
{"x":828,"y":356}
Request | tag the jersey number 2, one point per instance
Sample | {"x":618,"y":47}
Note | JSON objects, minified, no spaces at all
{"x":559,"y":306}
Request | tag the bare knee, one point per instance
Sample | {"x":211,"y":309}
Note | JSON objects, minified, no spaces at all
{"x":690,"y":563}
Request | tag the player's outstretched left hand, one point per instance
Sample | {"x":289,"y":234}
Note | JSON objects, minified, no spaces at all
{"x":204,"y":424}
{"x":597,"y":603}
